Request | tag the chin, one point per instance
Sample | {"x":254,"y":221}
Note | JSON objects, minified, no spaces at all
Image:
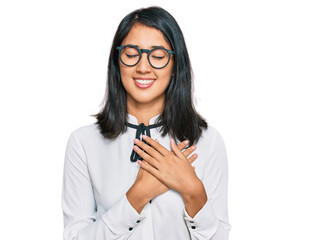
{"x":144,"y":100}
{"x":147,"y":99}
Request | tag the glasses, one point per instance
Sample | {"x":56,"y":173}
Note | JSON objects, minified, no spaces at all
{"x":158,"y":57}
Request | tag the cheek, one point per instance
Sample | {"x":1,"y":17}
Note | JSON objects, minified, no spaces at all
{"x":166,"y":76}
{"x":122,"y":71}
{"x":126,"y":74}
{"x":170,"y":69}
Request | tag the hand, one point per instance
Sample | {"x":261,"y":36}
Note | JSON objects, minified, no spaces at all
{"x":146,"y":186}
{"x":172,"y":168}
{"x":152,"y":184}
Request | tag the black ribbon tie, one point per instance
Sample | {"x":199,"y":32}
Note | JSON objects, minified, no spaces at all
{"x":141,"y":129}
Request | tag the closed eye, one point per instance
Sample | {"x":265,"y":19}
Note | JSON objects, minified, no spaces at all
{"x":158,"y":57}
{"x":131,"y":56}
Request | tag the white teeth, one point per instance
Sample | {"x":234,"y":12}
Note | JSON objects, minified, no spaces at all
{"x":143,"y":81}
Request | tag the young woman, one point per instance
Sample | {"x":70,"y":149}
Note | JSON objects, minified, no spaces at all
{"x":134,"y":174}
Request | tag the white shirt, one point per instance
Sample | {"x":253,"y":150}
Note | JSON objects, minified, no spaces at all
{"x":98,"y":172}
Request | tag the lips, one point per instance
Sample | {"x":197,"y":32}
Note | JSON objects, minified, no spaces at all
{"x":144,"y":82}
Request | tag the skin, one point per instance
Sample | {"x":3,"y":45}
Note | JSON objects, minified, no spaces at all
{"x":160,"y":169}
{"x":139,"y":100}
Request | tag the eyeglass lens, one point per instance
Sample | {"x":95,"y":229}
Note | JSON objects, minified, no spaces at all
{"x":158,"y":58}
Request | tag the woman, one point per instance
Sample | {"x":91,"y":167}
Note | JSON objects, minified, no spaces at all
{"x":119,"y":183}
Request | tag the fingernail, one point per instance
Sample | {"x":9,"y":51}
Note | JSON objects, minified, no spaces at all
{"x":139,"y":162}
{"x":156,"y":140}
{"x":144,"y":137}
{"x":193,"y":147}
{"x":186,"y":142}
{"x":195,"y":155}
{"x":136,"y":140}
{"x":135,"y":148}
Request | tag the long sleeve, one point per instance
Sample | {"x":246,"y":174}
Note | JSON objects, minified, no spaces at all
{"x":79,"y":207}
{"x":211,"y":222}
{"x":98,"y":173}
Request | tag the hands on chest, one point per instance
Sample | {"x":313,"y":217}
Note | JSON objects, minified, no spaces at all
{"x":162,"y":170}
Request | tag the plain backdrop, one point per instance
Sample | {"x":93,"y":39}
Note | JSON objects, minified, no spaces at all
{"x":257,"y":67}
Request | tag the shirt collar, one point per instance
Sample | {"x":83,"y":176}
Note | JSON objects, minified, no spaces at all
{"x":131,"y":119}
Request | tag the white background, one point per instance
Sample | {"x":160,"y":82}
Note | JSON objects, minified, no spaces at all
{"x":257,"y":67}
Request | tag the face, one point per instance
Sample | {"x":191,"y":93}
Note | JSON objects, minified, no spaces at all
{"x":143,"y":83}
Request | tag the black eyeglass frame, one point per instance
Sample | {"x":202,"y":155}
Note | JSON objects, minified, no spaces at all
{"x":119,"y":48}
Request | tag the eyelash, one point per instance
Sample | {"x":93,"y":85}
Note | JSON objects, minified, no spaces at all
{"x":158,"y":58}
{"x":131,"y":56}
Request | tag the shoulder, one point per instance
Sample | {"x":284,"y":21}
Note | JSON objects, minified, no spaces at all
{"x":212,"y":150}
{"x":211,"y":136}
{"x":211,"y":142}
{"x":90,"y":132}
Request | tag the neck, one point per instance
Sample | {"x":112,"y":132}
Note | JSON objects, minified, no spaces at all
{"x":143,"y":112}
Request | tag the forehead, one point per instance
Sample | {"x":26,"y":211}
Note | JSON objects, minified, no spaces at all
{"x":145,"y":37}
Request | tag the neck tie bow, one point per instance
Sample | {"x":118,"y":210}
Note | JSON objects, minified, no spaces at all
{"x":141,"y":129}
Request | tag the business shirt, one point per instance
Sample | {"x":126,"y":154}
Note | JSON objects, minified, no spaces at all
{"x":98,"y":172}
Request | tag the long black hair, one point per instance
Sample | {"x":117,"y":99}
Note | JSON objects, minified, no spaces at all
{"x":179,"y":118}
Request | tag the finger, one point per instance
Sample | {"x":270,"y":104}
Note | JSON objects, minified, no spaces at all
{"x":189,"y":150}
{"x":150,"y":150}
{"x":147,"y":167}
{"x":176,"y":150}
{"x":152,"y":161}
{"x":183,"y":144}
{"x":193,"y":158}
{"x":157,"y":146}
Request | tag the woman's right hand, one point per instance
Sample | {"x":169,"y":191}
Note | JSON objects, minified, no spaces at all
{"x":152,"y":184}
{"x":146,"y":186}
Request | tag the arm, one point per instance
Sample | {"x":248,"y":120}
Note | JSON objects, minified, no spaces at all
{"x":174,"y":170}
{"x":211,"y":222}
{"x":79,"y":208}
{"x":206,"y":218}
{"x":147,"y":186}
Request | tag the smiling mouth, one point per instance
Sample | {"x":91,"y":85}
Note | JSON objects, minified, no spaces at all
{"x":143,"y":83}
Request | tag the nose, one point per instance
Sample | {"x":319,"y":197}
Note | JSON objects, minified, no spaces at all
{"x":143,"y":65}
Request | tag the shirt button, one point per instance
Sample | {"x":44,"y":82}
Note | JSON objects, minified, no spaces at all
{"x":130,"y":229}
{"x":138,"y":221}
{"x":192,"y":222}
{"x":193,"y":227}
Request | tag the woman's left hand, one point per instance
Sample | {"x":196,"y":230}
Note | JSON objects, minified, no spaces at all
{"x":172,"y":168}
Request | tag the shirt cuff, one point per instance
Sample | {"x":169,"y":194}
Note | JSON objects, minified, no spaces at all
{"x":205,"y":219}
{"x":122,"y":217}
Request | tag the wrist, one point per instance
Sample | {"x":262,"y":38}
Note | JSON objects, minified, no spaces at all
{"x":137,"y":197}
{"x":194,"y":191}
{"x":195,"y":199}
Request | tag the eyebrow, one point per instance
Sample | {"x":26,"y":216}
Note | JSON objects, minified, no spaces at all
{"x":155,"y":46}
